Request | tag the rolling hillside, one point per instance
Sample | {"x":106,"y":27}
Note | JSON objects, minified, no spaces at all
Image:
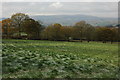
{"x":67,"y":20}
{"x":72,"y":19}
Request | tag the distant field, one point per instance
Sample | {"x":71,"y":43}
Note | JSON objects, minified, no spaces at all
{"x":53,"y":59}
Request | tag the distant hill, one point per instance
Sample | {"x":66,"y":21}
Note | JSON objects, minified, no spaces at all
{"x":2,"y":19}
{"x":72,"y":19}
{"x":67,"y":20}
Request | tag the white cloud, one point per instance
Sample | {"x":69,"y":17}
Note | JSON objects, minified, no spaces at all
{"x":103,"y":9}
{"x":32,"y":3}
{"x":56,"y":5}
{"x":60,"y":0}
{"x":0,"y":10}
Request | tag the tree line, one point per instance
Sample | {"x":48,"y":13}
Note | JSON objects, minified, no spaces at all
{"x":21,"y":26}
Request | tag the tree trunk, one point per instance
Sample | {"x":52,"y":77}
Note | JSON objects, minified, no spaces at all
{"x":88,"y":41}
{"x":80,"y":40}
{"x":111,"y":42}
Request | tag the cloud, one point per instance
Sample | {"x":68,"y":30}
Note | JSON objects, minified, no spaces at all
{"x":60,"y":0}
{"x":56,"y":5}
{"x":0,"y":10}
{"x":100,"y":9}
{"x":32,"y":3}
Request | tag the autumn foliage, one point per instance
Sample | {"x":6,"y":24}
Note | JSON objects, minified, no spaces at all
{"x":22,"y":26}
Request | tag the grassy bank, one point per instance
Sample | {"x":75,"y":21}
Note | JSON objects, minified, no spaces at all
{"x":55,"y":59}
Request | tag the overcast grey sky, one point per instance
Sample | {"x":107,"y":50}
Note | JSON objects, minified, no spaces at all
{"x":100,"y":9}
{"x":60,"y":0}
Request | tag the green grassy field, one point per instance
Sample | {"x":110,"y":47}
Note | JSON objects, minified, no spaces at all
{"x":53,"y":59}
